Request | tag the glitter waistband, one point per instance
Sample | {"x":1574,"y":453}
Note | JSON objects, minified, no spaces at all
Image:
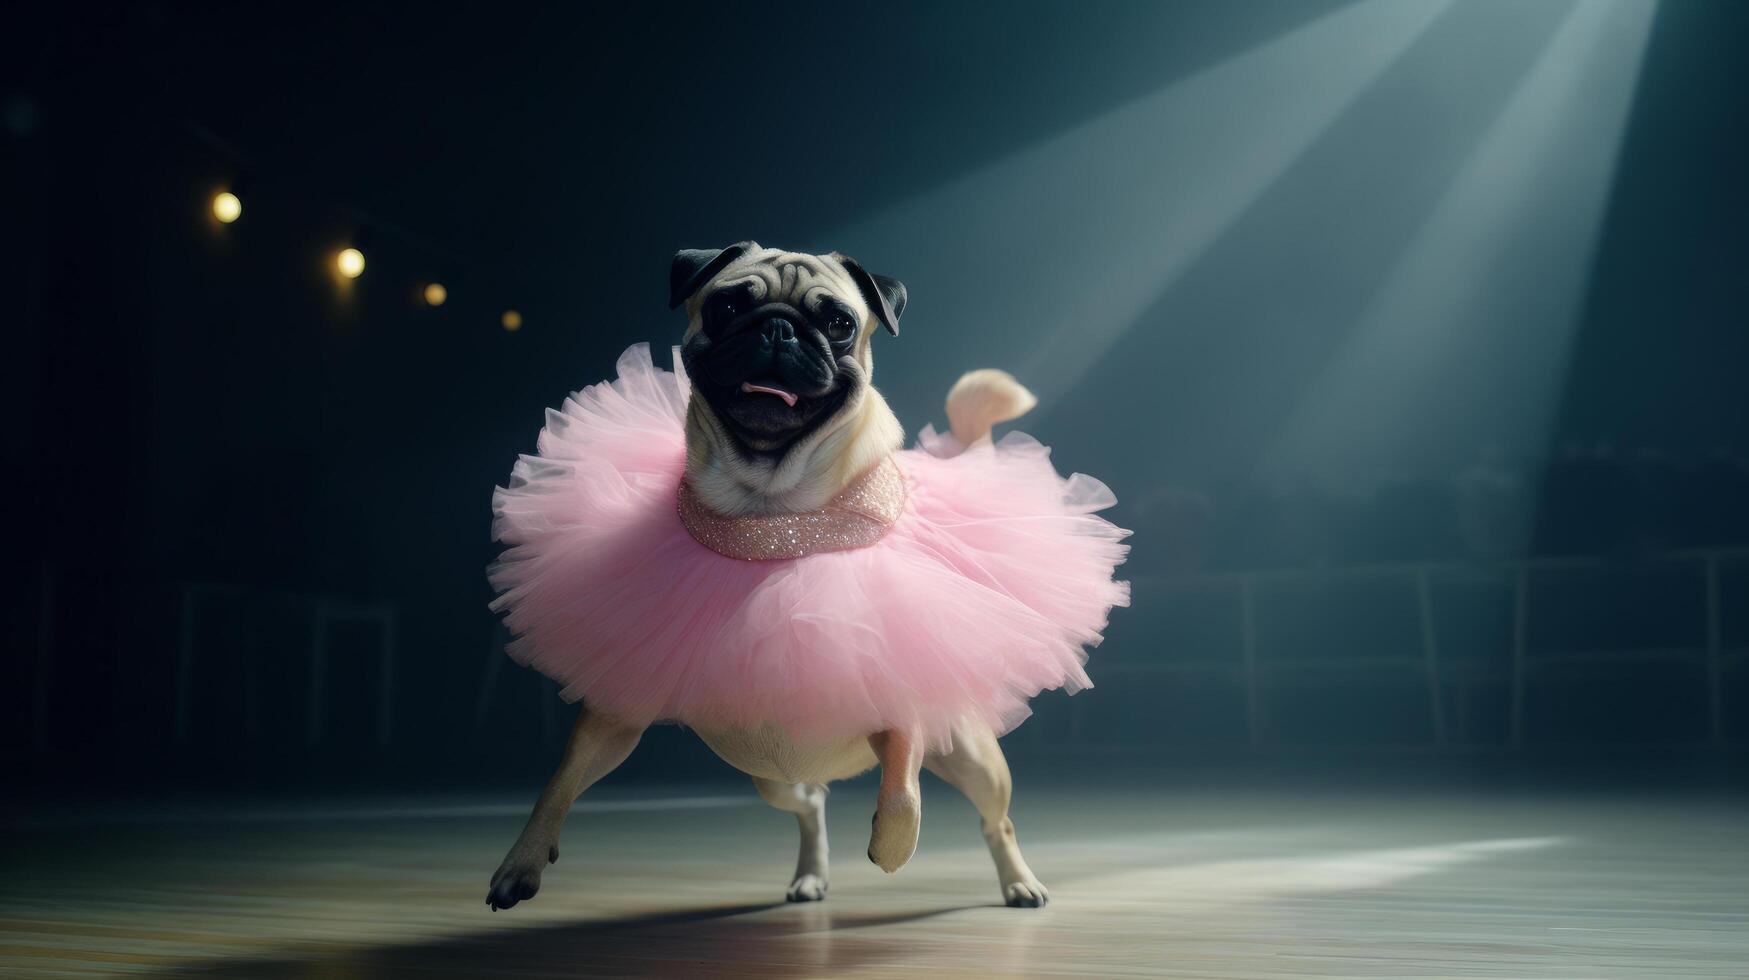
{"x":859,"y":516}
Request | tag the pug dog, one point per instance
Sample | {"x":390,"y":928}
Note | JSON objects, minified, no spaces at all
{"x":782,"y":417}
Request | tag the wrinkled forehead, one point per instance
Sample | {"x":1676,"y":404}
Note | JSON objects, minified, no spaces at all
{"x":796,"y":278}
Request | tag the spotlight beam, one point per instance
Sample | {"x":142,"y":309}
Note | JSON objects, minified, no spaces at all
{"x":1230,"y":345}
{"x":1460,"y":343}
{"x":1068,"y":242}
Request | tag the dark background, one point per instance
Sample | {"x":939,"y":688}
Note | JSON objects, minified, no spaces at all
{"x":195,"y":403}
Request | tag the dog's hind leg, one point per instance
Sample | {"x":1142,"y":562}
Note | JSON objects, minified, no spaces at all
{"x":808,"y":802}
{"x":597,"y":746}
{"x":899,"y":802}
{"x":976,"y":767}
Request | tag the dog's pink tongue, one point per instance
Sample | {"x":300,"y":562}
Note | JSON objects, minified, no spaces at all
{"x":788,"y":399}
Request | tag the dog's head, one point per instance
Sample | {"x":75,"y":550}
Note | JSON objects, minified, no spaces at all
{"x":777,"y":343}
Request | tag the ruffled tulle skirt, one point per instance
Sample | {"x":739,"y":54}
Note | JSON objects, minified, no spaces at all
{"x":988,"y":589}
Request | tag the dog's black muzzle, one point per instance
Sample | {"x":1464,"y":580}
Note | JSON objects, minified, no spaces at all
{"x":772,"y":344}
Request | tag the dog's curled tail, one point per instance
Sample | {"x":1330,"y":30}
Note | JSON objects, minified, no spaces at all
{"x":980,"y":399}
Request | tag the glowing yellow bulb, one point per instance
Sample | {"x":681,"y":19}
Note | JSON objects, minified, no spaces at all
{"x":512,"y":320}
{"x":435,"y":294}
{"x":226,"y":207}
{"x":350,"y":262}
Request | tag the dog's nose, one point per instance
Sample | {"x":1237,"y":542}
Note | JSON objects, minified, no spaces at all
{"x":778,"y":330}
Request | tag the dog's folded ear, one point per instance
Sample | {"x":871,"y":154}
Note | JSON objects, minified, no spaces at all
{"x":693,"y":267}
{"x":884,"y":295}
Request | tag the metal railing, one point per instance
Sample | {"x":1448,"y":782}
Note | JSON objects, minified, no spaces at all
{"x":1256,"y":671}
{"x":191,"y":659}
{"x":324,"y":612}
{"x":1257,"y":665}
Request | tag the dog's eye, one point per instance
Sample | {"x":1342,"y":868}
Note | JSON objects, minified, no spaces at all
{"x":727,"y":304}
{"x":840,"y":327}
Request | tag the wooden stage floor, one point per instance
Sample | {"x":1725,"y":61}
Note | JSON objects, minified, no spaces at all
{"x":1211,"y":885}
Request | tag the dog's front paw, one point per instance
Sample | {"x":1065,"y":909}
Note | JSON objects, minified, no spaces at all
{"x":1028,"y":893}
{"x":518,"y":878}
{"x":806,"y":888}
{"x":894,"y":839}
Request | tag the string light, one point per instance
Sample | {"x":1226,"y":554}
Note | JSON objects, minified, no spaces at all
{"x":227,"y":207}
{"x":350,"y":262}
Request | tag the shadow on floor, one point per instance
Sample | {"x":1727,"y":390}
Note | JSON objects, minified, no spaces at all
{"x":708,"y":941}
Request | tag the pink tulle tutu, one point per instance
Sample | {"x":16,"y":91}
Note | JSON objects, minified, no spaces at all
{"x":987,"y":589}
